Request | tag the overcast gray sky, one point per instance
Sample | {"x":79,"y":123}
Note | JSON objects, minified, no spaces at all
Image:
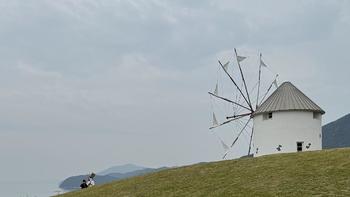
{"x":85,"y":85}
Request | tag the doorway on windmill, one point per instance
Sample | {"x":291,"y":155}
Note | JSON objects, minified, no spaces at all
{"x":300,"y":146}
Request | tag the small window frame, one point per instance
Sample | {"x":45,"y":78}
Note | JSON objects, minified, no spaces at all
{"x":300,"y":146}
{"x":267,"y":116}
{"x":316,"y":115}
{"x":270,"y":115}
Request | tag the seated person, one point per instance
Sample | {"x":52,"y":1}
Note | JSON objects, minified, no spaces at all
{"x":83,"y":184}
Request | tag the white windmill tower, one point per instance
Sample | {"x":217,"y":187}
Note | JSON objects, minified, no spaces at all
{"x":286,"y":121}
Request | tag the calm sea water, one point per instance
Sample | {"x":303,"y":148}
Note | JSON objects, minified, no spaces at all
{"x":29,"y":189}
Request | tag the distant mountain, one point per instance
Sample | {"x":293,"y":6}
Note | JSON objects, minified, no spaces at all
{"x":121,"y":169}
{"x":73,"y":182}
{"x":337,"y":133}
{"x":135,"y":173}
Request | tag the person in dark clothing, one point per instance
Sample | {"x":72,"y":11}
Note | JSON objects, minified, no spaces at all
{"x":83,"y":184}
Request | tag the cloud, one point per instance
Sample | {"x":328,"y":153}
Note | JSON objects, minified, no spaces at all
{"x":36,"y":72}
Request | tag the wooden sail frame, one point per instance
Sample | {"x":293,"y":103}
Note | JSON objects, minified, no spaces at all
{"x":242,"y":93}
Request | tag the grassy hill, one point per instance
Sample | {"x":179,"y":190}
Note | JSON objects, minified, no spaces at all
{"x":319,"y":173}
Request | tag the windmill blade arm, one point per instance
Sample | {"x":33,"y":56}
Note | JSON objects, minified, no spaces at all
{"x":239,"y":115}
{"x":227,"y":121}
{"x":239,"y":134}
{"x":250,"y":141}
{"x":245,"y":84}
{"x":268,"y":90}
{"x":257,"y":97}
{"x":233,"y":81}
{"x":228,"y":100}
{"x":223,"y":157}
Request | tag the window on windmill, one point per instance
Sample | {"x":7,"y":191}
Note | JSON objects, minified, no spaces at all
{"x":300,"y":146}
{"x":317,"y":115}
{"x":267,"y":116}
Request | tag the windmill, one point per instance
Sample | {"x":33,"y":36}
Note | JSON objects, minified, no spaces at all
{"x":244,"y":100}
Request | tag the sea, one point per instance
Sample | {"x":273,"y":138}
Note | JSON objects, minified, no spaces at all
{"x":30,"y":188}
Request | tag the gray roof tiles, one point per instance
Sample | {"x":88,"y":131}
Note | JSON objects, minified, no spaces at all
{"x":287,"y":98}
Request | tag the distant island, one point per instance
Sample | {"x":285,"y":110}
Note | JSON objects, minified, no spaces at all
{"x":336,"y":134}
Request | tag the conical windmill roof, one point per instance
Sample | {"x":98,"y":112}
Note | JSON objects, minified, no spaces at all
{"x":287,"y":98}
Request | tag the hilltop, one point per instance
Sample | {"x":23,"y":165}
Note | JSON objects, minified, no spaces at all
{"x":122,"y":169}
{"x":320,"y":173}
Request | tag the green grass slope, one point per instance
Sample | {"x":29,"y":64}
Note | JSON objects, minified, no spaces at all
{"x":319,"y":173}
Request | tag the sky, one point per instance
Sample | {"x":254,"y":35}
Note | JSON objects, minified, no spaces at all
{"x":85,"y":85}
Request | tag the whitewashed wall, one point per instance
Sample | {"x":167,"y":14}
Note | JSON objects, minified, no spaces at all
{"x":286,"y":128}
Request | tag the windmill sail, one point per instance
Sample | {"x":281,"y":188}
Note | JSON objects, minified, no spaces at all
{"x":262,"y":63}
{"x":240,"y":58}
{"x":226,"y":65}
{"x":216,"y":91}
{"x":226,"y":148}
{"x":215,"y":121}
{"x":275,"y":83}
